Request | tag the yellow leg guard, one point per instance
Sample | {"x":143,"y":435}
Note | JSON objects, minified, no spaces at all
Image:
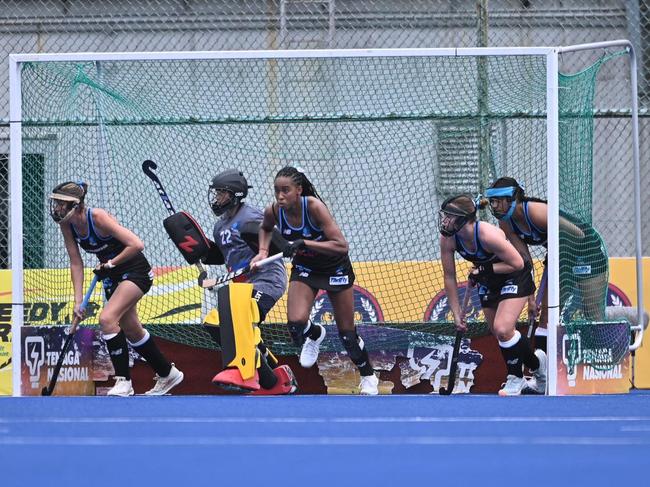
{"x":238,"y":315}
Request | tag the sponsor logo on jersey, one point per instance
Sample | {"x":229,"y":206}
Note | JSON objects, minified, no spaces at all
{"x":366,"y":308}
{"x":339,"y":280}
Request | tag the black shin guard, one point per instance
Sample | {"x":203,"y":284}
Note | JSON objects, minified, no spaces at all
{"x":297,"y":331}
{"x":118,"y":352}
{"x":154,"y":357}
{"x":357,"y":352}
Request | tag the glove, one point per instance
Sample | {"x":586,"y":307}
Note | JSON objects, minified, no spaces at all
{"x":480,"y":273}
{"x":102,"y":270}
{"x":202,"y":277}
{"x":293,"y":247}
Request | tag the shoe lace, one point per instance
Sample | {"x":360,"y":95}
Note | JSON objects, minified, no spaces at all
{"x":311,"y":346}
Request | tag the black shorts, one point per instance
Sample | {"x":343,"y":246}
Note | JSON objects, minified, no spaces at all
{"x":141,"y":275}
{"x":341,"y":280}
{"x":506,"y":286}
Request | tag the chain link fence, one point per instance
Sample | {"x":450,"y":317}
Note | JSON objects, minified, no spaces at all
{"x":49,"y":26}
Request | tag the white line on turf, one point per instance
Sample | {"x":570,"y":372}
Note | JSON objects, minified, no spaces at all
{"x":320,"y":440}
{"x":360,"y":419}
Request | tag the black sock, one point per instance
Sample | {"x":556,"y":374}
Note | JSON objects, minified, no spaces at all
{"x":511,"y":357}
{"x":540,"y":342}
{"x":118,"y":352}
{"x":313,"y":331}
{"x":267,"y":377}
{"x":526,"y":353}
{"x":266,"y":353}
{"x":149,"y":350}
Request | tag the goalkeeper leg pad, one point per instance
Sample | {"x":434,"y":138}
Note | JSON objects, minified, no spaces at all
{"x":286,"y":383}
{"x":238,"y":315}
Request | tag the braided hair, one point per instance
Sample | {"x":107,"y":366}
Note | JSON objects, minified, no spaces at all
{"x":299,"y":179}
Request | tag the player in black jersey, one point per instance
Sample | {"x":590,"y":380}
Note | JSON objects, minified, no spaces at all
{"x":320,"y":261}
{"x":126,"y":276}
{"x":524,"y":221}
{"x":504,"y":281}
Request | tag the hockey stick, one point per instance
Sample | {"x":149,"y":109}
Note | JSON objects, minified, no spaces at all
{"x":209,"y":283}
{"x":533,"y":322}
{"x":148,"y":167}
{"x":47,"y":391}
{"x":451,"y":382}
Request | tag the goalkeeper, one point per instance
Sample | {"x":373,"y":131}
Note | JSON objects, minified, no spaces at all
{"x":237,"y":225}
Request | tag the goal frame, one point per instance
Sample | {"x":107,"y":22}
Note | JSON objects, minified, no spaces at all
{"x":552,"y":147}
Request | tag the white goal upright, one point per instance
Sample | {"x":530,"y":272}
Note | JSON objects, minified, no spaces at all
{"x":385,"y":135}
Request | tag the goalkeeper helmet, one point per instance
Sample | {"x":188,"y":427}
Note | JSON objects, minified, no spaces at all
{"x":508,"y":189}
{"x":227,"y":190}
{"x":454,"y":213}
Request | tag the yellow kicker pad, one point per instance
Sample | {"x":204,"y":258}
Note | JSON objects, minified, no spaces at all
{"x":238,"y":316}
{"x":212,"y":318}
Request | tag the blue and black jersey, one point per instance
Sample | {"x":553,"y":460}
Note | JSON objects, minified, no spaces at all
{"x":106,"y":248}
{"x":480,"y":255}
{"x":308,"y":259}
{"x":534,"y":236}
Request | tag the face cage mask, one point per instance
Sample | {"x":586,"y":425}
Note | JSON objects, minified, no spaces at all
{"x":59,"y":206}
{"x":459,"y":222}
{"x":509,"y":193}
{"x":220,"y":209}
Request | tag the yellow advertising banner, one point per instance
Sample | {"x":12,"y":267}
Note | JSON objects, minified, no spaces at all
{"x":5,"y":333}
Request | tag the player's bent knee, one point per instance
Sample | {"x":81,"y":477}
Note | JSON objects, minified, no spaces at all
{"x":297,"y":329}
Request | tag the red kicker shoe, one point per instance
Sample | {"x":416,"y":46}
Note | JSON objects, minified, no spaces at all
{"x":286,"y":384}
{"x":231,"y":380}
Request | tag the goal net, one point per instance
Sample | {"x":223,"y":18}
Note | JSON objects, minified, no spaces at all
{"x":385,"y":136}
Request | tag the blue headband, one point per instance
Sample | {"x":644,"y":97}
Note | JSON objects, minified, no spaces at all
{"x":500,"y":192}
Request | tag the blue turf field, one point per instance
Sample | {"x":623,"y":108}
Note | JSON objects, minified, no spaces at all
{"x":326,"y":440}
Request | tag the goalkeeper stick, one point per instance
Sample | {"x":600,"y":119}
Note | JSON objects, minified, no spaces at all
{"x":47,"y":391}
{"x":210,"y":283}
{"x":148,"y":167}
{"x":451,"y":382}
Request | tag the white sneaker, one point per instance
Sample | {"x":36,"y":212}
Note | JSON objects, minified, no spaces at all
{"x":122,"y":387}
{"x":165,"y":384}
{"x":538,"y":382}
{"x":310,"y":349}
{"x":513,"y":386}
{"x":368,"y":386}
